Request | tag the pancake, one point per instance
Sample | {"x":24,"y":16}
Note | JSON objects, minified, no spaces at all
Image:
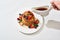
{"x":26,"y":21}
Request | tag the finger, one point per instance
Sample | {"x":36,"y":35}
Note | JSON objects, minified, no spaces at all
{"x":54,"y":6}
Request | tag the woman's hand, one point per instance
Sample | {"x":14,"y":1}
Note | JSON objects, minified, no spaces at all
{"x":56,"y":5}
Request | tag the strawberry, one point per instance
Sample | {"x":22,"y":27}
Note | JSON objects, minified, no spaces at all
{"x":20,"y":17}
{"x":36,"y":21}
{"x":29,"y":17}
{"x":31,"y":26}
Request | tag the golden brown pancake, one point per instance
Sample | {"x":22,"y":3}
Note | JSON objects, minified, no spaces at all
{"x":25,"y":21}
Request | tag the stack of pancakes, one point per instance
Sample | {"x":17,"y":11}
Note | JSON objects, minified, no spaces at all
{"x":25,"y":21}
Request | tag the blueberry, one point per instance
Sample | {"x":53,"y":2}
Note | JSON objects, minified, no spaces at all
{"x":28,"y":26}
{"x":25,"y":17}
{"x":20,"y":14}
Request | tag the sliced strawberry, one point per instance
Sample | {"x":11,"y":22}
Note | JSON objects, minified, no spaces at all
{"x":29,"y":17}
{"x":31,"y":26}
{"x":36,"y":21}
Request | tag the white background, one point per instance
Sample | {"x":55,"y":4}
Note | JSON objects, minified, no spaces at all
{"x":8,"y":30}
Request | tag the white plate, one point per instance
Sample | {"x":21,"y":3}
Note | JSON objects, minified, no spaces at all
{"x":27,"y":30}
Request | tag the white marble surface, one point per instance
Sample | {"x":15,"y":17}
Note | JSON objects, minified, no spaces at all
{"x":8,"y":30}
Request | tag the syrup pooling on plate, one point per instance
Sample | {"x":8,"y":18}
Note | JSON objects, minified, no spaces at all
{"x":28,"y":19}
